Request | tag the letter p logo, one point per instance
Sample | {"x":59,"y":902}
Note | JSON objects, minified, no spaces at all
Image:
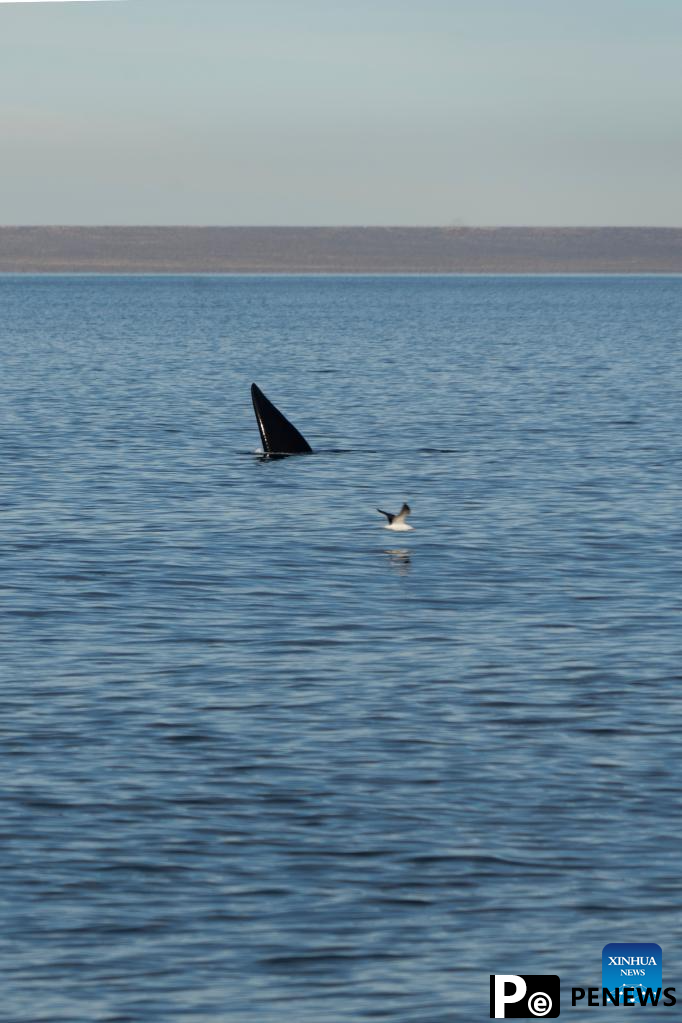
{"x":527,"y":996}
{"x":500,"y":997}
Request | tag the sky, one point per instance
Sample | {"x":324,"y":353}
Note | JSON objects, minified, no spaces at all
{"x":361,"y":112}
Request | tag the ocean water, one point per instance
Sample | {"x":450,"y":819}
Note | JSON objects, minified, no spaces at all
{"x":262,"y":759}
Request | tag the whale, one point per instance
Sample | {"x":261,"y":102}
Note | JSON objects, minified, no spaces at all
{"x":279,"y":436}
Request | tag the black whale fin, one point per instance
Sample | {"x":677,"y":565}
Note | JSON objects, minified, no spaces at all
{"x":279,"y":436}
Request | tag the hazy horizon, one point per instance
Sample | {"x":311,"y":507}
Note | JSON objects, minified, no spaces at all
{"x":208,"y":249}
{"x":335,"y":227}
{"x":279,"y":113}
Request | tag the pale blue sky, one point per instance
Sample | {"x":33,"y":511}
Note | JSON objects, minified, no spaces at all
{"x":357,"y":112}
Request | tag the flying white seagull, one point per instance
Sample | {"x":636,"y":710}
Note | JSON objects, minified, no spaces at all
{"x":397,"y":522}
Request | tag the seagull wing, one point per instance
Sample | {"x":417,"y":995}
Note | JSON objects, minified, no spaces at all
{"x":403,"y":513}
{"x":387,"y":514}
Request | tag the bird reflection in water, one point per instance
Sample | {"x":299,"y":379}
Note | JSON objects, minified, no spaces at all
{"x":400,"y":558}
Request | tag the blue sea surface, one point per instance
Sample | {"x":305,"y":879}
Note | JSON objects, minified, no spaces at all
{"x":262,"y":759}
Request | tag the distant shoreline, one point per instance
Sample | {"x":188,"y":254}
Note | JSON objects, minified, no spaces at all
{"x":341,"y":250}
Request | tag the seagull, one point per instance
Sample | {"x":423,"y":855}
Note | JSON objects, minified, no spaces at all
{"x":397,"y":522}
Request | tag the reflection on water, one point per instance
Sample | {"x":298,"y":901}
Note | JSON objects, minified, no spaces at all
{"x":400,"y":558}
{"x":247,"y":774}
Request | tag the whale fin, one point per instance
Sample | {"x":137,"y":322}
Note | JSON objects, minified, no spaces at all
{"x":279,"y":436}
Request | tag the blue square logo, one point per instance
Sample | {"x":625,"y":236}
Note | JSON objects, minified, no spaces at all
{"x":633,"y":964}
